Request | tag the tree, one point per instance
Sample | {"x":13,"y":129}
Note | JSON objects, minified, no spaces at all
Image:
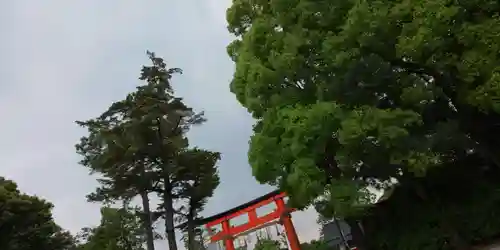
{"x":352,"y":94}
{"x":466,"y":196}
{"x":26,"y":222}
{"x":197,"y":241}
{"x":125,"y":173}
{"x":162,"y":120}
{"x":136,"y":143}
{"x":198,"y":177}
{"x":267,"y":244}
{"x":119,"y":229}
{"x":315,"y":245}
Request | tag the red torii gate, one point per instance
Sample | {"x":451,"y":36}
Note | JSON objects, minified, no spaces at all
{"x":281,"y":213}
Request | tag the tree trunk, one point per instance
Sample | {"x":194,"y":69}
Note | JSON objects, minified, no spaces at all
{"x":357,"y":234}
{"x":169,"y":213}
{"x":167,"y":192}
{"x":147,"y":221}
{"x":191,"y":232}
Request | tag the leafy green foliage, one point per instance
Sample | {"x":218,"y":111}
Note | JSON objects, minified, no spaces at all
{"x":160,"y":121}
{"x":265,"y":244}
{"x":353,"y":94}
{"x":194,"y":239}
{"x":139,"y":146}
{"x":198,"y":178}
{"x":119,"y":229}
{"x":111,"y":150}
{"x":315,"y":245}
{"x":26,"y":222}
{"x":462,"y":202}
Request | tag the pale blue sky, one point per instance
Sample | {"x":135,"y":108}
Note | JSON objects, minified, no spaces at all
{"x":62,"y":61}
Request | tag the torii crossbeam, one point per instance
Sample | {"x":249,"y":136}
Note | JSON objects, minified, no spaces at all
{"x":228,"y":233}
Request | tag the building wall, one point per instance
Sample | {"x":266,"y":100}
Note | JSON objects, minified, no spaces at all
{"x":332,"y":235}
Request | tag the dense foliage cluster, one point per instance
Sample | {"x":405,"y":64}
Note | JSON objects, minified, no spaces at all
{"x":119,"y":229}
{"x":135,"y":148}
{"x":268,"y":244}
{"x":462,"y":208}
{"x":352,"y":94}
{"x":26,"y":221}
{"x":349,"y":96}
{"x":139,"y":146}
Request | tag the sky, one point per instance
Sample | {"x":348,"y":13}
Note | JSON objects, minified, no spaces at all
{"x":62,"y":61}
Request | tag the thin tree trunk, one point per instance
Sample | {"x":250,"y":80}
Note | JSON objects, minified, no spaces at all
{"x":147,"y":221}
{"x":191,"y":236}
{"x":125,"y":242}
{"x":190,"y":230}
{"x":169,"y":214}
{"x":167,"y":192}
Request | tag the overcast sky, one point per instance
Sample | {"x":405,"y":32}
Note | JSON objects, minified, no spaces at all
{"x":62,"y":61}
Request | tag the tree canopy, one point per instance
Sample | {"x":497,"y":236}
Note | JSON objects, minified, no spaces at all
{"x":26,"y":222}
{"x":351,"y":94}
{"x":461,"y":210}
{"x":120,"y":229}
{"x":267,"y":244}
{"x":198,"y":178}
{"x":348,"y":96}
{"x":139,"y":146}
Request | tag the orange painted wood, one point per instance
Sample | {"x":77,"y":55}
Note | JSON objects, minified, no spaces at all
{"x":245,"y":210}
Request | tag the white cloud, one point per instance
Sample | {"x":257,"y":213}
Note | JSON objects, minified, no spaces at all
{"x":66,"y":60}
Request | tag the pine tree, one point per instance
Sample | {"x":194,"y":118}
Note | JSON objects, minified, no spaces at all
{"x":119,"y":229}
{"x":138,"y":146}
{"x":198,"y":179}
{"x":110,"y":151}
{"x":165,"y":120}
{"x":26,"y":222}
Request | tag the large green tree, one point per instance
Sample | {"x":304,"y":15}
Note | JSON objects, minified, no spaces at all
{"x":26,"y":222}
{"x":120,"y":229}
{"x":137,"y":145}
{"x":159,"y":122}
{"x":111,"y":152}
{"x":198,"y":178}
{"x":352,"y":94}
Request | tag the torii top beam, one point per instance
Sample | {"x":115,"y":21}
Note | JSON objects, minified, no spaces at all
{"x":281,"y":213}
